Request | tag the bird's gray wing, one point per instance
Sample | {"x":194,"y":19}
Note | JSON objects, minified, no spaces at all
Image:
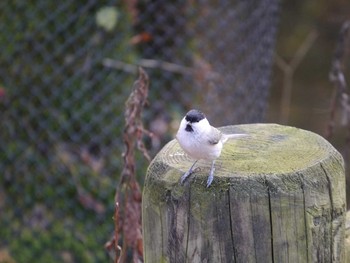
{"x":214,"y":136}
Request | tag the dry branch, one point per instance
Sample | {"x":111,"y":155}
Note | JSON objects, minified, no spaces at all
{"x":197,"y":70}
{"x":127,"y":217}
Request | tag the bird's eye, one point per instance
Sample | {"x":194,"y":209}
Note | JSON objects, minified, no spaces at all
{"x":188,"y":128}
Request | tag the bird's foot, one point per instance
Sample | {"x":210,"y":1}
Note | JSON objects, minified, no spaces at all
{"x":185,"y":175}
{"x":210,"y":180}
{"x":211,"y":174}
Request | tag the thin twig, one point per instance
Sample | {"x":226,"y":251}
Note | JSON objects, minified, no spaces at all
{"x":159,"y":64}
{"x":147,"y":63}
{"x":116,"y":233}
{"x":288,"y":69}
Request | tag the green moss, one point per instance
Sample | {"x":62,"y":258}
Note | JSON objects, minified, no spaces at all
{"x":278,"y":181}
{"x":268,"y":149}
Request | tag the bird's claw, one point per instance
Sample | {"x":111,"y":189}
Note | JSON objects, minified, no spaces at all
{"x":190,"y":171}
{"x":184,"y":177}
{"x":187,"y":174}
{"x":210,"y":180}
{"x":211,"y":175}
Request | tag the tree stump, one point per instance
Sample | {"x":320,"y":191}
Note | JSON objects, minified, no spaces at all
{"x":278,"y":195}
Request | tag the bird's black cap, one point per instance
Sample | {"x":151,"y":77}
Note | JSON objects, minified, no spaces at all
{"x":194,"y":116}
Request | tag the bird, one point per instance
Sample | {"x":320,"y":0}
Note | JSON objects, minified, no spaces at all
{"x":201,"y":141}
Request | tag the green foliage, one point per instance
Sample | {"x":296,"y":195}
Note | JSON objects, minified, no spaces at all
{"x":47,"y":214}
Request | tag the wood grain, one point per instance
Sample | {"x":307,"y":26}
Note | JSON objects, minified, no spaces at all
{"x":278,"y":195}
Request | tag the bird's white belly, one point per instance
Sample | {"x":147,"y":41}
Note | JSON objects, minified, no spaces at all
{"x":201,"y":150}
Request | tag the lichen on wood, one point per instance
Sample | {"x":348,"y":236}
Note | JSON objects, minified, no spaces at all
{"x":278,"y":195}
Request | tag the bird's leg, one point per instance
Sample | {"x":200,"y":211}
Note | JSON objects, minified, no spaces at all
{"x":188,"y":173}
{"x":211,"y":174}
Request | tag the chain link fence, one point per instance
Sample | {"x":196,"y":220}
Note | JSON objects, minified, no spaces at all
{"x":66,"y":70}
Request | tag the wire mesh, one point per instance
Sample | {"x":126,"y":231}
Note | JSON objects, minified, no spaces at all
{"x":66,"y":70}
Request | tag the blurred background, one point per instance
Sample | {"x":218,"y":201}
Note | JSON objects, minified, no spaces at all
{"x":67,"y":69}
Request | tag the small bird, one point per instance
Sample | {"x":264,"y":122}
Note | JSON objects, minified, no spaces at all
{"x":201,"y":141}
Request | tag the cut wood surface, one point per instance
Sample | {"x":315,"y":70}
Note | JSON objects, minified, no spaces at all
{"x":278,"y":195}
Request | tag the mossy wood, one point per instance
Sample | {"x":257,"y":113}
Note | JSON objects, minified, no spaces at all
{"x":278,"y":195}
{"x":347,"y":237}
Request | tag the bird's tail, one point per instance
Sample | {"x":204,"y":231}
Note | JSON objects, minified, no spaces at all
{"x":233,"y":136}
